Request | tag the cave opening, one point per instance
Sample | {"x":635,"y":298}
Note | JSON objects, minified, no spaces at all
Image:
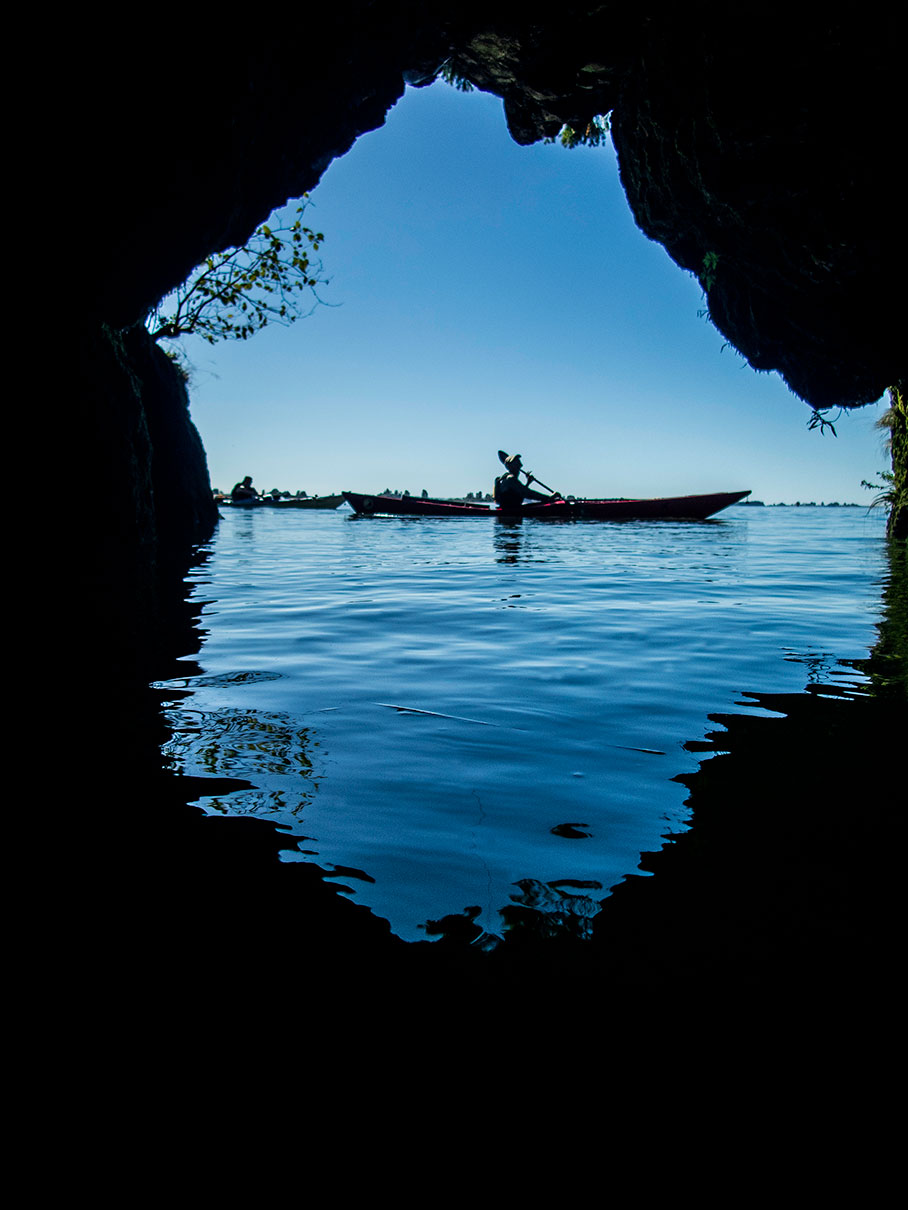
{"x":482,"y":293}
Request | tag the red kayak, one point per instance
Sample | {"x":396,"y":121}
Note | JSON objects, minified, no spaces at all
{"x":292,"y":502}
{"x":670,"y":508}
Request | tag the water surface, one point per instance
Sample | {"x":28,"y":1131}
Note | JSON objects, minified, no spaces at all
{"x":452,"y":716}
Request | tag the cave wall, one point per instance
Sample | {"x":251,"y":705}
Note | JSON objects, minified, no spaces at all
{"x":141,"y":501}
{"x":767,"y":145}
{"x":759,"y":147}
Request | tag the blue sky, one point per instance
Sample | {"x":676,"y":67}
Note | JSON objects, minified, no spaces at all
{"x":485,"y":296}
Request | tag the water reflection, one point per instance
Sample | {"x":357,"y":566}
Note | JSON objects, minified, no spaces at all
{"x":271,"y":748}
{"x":781,"y":830}
{"x":519,"y":540}
{"x":787,"y":870}
{"x":887,"y":664}
{"x":539,"y":912}
{"x":546,"y":911}
{"x":509,"y":539}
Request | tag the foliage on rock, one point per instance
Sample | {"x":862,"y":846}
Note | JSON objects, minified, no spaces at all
{"x":896,"y":420}
{"x":594,"y":134}
{"x":892,"y":486}
{"x":233,"y":294}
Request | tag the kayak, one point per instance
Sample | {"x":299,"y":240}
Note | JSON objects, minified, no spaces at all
{"x":669,"y":508}
{"x":293,"y":502}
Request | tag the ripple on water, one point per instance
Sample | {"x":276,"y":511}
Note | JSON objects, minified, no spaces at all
{"x":479,"y":718}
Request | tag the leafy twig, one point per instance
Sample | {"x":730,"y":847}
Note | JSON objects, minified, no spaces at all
{"x":233,"y":294}
{"x":818,"y":420}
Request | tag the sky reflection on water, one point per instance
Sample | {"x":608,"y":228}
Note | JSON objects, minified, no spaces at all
{"x":468,"y":716}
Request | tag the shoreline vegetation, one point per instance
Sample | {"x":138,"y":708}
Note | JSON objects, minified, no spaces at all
{"x":487,"y":498}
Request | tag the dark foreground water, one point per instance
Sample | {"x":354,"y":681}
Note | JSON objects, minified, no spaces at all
{"x":454,"y":717}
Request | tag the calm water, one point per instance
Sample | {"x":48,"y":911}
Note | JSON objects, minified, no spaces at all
{"x":460,"y":715}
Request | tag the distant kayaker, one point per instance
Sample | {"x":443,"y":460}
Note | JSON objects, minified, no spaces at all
{"x":509,"y":491}
{"x":244,"y":490}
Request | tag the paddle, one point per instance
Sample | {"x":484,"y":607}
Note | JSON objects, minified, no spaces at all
{"x":503,"y":457}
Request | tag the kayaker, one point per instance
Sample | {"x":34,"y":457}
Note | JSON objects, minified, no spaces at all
{"x":510,"y":492}
{"x":244,"y":490}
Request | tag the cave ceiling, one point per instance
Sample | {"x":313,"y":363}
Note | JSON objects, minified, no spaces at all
{"x":762,"y":153}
